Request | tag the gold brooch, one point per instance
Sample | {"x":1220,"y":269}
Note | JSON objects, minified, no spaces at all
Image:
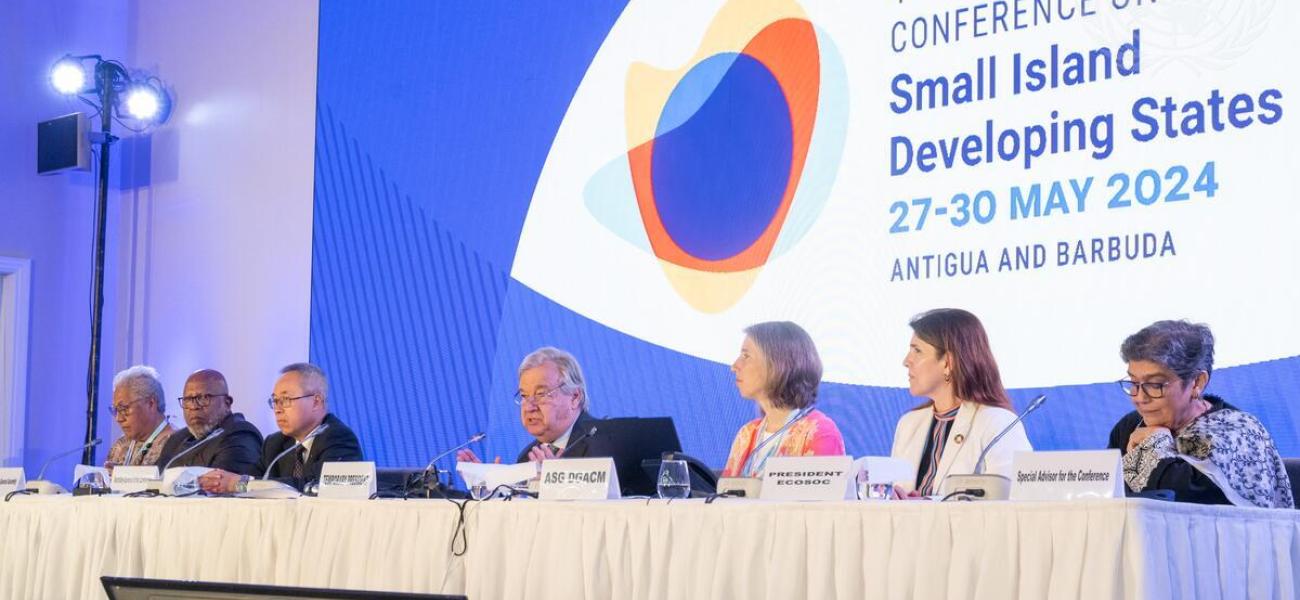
{"x":959,"y":438}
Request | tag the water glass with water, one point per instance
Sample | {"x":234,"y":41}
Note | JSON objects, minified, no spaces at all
{"x":674,"y":479}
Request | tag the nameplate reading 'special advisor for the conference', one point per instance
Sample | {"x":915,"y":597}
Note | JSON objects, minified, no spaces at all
{"x":1073,"y":475}
{"x":579,"y":479}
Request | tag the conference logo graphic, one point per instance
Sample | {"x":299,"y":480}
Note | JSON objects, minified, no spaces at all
{"x":731,"y":155}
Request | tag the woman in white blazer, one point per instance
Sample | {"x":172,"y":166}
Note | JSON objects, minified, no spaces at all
{"x":950,"y":364}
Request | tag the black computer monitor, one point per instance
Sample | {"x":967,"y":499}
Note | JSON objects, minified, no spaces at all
{"x":131,"y":588}
{"x":630,"y":440}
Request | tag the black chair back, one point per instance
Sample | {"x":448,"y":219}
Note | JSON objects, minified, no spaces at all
{"x":1293,"y":472}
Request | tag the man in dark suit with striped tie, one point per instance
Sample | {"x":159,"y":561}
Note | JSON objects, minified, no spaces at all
{"x":301,"y":413}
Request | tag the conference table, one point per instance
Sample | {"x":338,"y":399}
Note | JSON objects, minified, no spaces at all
{"x":58,"y":547}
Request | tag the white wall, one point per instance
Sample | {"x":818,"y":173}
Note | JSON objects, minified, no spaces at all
{"x":209,"y":261}
{"x":48,"y":220}
{"x":217,"y":247}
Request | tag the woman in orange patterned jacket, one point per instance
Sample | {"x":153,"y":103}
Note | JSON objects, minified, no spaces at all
{"x":779,"y":369}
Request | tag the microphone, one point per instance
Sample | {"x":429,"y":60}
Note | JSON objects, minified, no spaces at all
{"x":315,"y":432}
{"x":979,"y":485}
{"x":95,"y":442}
{"x":212,"y":435}
{"x":424,"y":476}
{"x":582,"y":438}
{"x":1033,"y":406}
{"x":41,"y":486}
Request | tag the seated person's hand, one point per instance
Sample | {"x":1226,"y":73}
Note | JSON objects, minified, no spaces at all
{"x":542,"y":452}
{"x":467,"y":455}
{"x":217,"y":481}
{"x":1140,"y":435}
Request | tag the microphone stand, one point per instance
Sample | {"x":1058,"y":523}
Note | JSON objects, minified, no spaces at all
{"x":40,"y":485}
{"x":424,"y":475}
{"x":978,"y":484}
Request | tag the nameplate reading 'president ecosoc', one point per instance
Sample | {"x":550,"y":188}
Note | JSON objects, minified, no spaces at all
{"x":579,"y":479}
{"x":1074,"y":475}
{"x":12,"y":478}
{"x":347,"y":480}
{"x":808,"y":478}
{"x":129,"y":480}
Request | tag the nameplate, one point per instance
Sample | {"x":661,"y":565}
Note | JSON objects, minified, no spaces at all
{"x":579,"y":479}
{"x":129,"y":480}
{"x":12,"y":478}
{"x":801,"y":478}
{"x":1073,"y":475}
{"x":347,"y":480}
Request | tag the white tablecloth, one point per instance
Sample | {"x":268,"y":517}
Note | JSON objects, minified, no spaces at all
{"x":58,"y":548}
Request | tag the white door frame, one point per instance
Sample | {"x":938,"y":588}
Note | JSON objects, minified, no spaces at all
{"x":15,"y":310}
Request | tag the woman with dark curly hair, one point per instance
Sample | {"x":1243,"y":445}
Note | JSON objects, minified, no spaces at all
{"x":1181,"y":439}
{"x":779,"y":369}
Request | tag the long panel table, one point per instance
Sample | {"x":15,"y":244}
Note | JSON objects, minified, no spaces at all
{"x":59,"y":547}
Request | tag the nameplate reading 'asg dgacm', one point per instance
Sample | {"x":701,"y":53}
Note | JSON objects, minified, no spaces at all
{"x":347,"y":480}
{"x":579,"y":479}
{"x":808,"y":478}
{"x":1074,"y":475}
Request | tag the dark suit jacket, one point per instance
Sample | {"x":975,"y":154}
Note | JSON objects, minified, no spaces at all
{"x":581,"y":445}
{"x":237,"y":449}
{"x":335,"y":444}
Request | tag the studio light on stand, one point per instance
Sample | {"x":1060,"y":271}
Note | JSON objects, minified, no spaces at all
{"x":138,"y":103}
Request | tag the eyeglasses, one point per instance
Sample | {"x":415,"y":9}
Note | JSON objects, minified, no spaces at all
{"x":537,"y":398}
{"x":199,"y":401}
{"x":125,"y":409}
{"x":284,"y":402}
{"x":1153,"y":389}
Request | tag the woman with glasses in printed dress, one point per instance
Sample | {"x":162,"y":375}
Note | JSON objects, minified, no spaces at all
{"x":1181,"y":439}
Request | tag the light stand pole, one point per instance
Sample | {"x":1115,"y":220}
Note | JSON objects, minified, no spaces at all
{"x":105,"y":75}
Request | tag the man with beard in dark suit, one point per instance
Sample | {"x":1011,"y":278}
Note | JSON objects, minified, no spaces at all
{"x":207,"y":405}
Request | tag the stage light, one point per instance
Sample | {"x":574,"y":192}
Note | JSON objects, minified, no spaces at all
{"x":68,"y":77}
{"x":144,"y":103}
{"x":138,"y":102}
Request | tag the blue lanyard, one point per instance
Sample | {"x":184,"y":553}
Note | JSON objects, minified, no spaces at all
{"x":750,"y":469}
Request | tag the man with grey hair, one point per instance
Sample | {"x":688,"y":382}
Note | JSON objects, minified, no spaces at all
{"x":139,"y":407}
{"x":552,"y":399}
{"x":301,"y":413}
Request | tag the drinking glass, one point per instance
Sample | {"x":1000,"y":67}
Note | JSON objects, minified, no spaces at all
{"x":674,"y":479}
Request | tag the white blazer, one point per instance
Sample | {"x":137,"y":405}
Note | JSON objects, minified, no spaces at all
{"x":976,"y":425}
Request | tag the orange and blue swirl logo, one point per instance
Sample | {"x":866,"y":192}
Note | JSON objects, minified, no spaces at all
{"x":721,"y":149}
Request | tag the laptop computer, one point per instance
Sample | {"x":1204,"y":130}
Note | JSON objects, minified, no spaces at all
{"x":630,"y":440}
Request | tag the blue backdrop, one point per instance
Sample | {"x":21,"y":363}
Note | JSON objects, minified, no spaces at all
{"x":434,"y":120}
